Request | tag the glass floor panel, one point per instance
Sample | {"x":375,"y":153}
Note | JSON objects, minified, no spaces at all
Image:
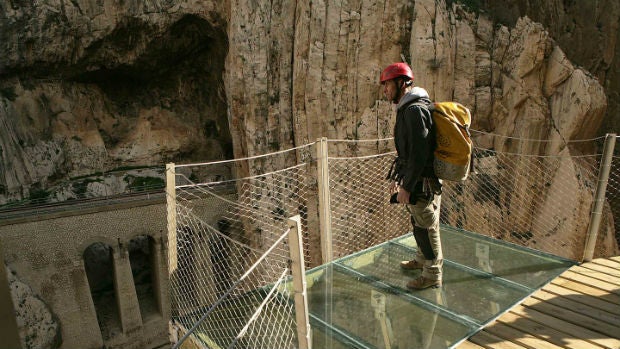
{"x":361,"y":301}
{"x":350,"y":309}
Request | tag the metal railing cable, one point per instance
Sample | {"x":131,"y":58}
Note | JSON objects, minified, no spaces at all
{"x":230,"y":290}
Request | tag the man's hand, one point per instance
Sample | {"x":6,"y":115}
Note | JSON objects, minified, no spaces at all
{"x":403,"y":196}
{"x":393,"y":187}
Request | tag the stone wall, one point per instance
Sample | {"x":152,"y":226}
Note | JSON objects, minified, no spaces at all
{"x":48,"y":255}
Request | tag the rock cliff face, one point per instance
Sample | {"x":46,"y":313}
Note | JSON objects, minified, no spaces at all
{"x":38,"y":327}
{"x":87,"y":86}
{"x":587,"y":31}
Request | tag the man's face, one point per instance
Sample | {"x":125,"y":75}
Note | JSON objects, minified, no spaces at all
{"x":391,"y":91}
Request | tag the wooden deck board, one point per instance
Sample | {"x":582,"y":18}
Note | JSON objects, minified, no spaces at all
{"x":569,"y":329}
{"x":579,"y":310}
{"x":613,"y":262}
{"x":615,"y":258}
{"x":592,"y":281}
{"x":602,"y":269}
{"x":469,"y":345}
{"x":567,"y":293}
{"x":489,"y":340}
{"x":571,"y":316}
{"x":519,"y":334}
{"x":587,"y":290}
{"x":543,"y":333}
{"x":596,"y":274}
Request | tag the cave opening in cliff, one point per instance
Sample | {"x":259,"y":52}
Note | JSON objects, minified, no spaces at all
{"x":99,"y":266}
{"x":176,"y":74}
{"x":143,"y":264}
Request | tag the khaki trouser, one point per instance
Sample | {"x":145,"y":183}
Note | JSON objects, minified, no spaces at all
{"x":425,"y":219}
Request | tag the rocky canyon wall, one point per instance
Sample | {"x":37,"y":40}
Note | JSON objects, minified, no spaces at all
{"x":88,"y":86}
{"x":518,"y":80}
{"x":587,"y":31}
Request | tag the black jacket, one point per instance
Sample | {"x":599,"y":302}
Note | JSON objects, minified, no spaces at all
{"x":414,"y":139}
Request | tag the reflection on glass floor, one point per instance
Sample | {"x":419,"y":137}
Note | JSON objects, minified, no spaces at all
{"x":360,"y":301}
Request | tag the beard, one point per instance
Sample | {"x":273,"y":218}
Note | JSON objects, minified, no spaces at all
{"x":397,"y":96}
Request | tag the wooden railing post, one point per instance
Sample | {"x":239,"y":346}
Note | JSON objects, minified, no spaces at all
{"x":299,"y":282}
{"x":325,"y":217}
{"x":599,"y":196}
{"x":171,"y":209}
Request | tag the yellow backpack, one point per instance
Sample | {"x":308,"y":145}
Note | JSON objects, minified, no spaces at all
{"x":453,"y":156}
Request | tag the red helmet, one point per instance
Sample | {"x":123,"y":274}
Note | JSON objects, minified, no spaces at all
{"x":396,"y":70}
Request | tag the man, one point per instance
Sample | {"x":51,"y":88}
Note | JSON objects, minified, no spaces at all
{"x":412,"y":175}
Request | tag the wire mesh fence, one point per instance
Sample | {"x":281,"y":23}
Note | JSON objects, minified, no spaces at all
{"x":610,"y":218}
{"x":359,"y":199}
{"x":228,"y":256}
{"x":531,"y":193}
{"x":538,"y":201}
{"x":547,"y":210}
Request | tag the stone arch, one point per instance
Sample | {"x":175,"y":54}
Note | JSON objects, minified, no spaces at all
{"x":84,"y":244}
{"x":144,"y":266}
{"x":98,"y":260}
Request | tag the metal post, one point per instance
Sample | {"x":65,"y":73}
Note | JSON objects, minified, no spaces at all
{"x":299,"y":282}
{"x":325,"y":218}
{"x":171,"y":206}
{"x":599,"y":196}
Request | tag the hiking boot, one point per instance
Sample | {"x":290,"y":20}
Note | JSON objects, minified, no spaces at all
{"x":422,"y":283}
{"x":411,"y":265}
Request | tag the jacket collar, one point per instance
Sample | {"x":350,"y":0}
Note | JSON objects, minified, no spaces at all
{"x":411,"y":95}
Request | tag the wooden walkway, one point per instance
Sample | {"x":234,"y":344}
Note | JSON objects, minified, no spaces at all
{"x":580,"y":309}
